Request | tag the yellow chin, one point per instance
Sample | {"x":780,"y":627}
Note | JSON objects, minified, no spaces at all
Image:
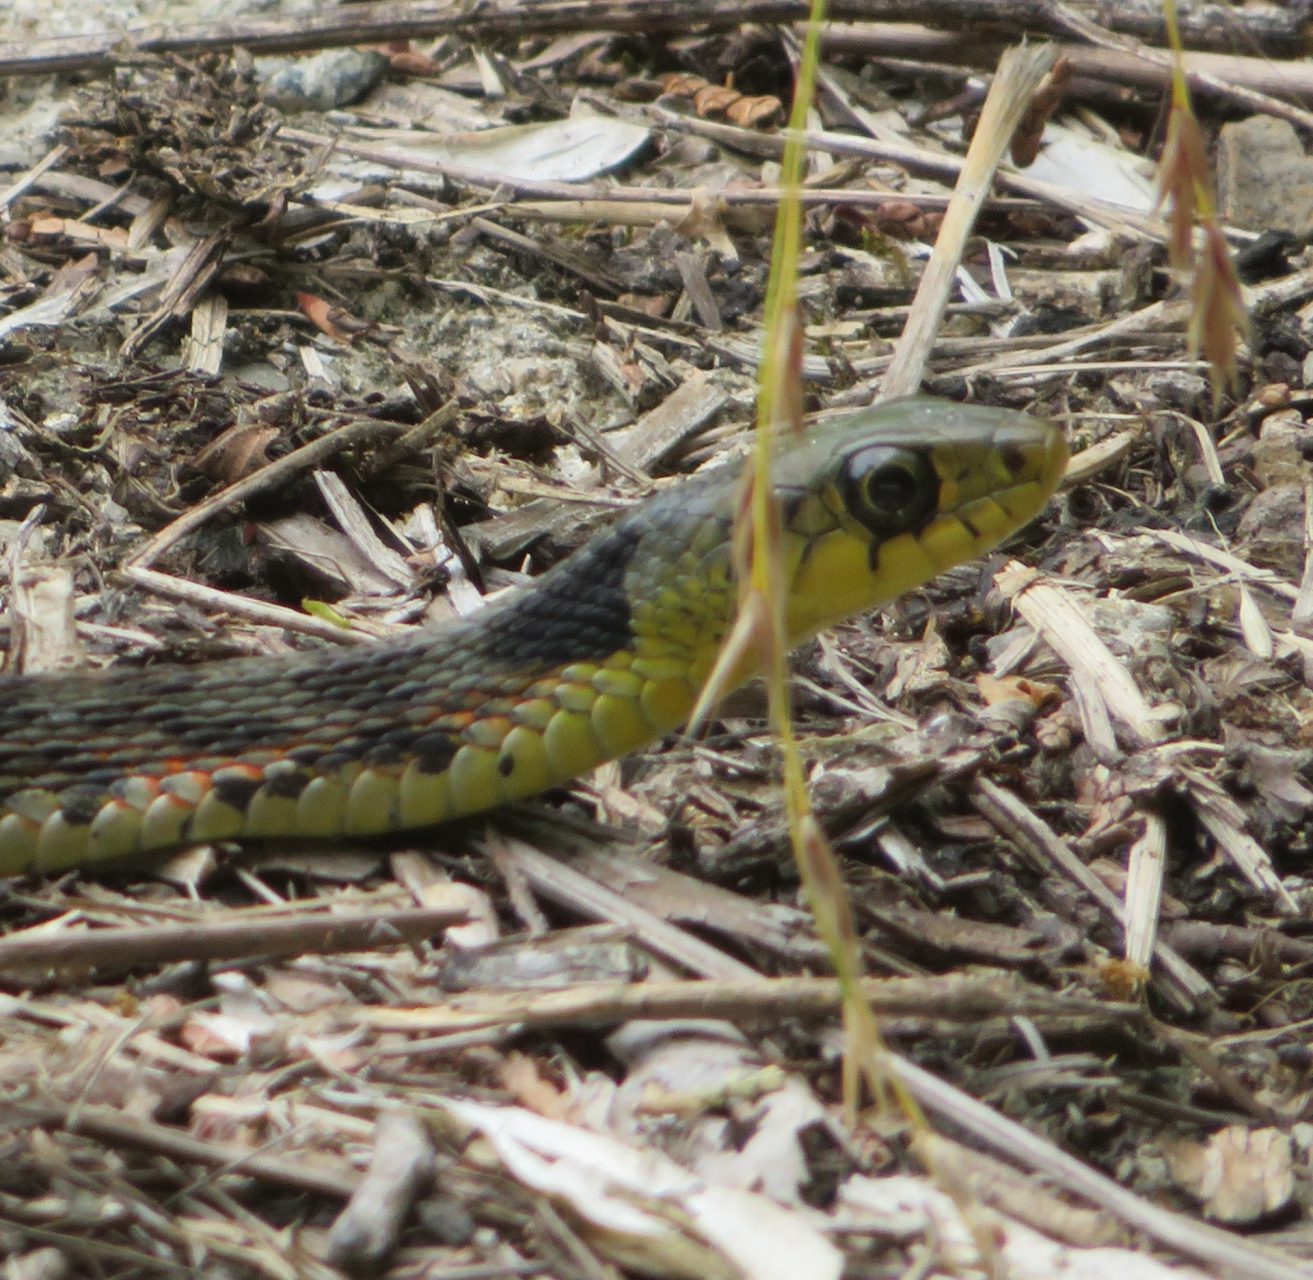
{"x":837,"y":579}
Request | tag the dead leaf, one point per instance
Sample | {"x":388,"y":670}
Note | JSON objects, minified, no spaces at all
{"x":336,"y":322}
{"x":997,"y":689}
{"x":237,"y":452}
{"x":1240,"y":1175}
{"x":525,"y":1082}
{"x":722,"y":100}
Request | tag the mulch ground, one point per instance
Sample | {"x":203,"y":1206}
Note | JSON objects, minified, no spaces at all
{"x":275,"y":378}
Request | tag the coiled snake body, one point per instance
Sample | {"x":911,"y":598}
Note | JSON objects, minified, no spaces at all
{"x":602,"y":654}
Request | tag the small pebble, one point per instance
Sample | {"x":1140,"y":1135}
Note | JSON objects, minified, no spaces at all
{"x":330,"y":79}
{"x":1264,"y":178}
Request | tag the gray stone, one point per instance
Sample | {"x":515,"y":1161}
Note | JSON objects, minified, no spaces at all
{"x":1265,"y":180}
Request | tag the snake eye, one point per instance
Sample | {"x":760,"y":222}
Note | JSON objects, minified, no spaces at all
{"x":889,"y":490}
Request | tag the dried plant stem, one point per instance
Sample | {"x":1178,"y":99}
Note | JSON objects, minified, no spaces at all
{"x":1272,"y":32}
{"x":1020,"y":71}
{"x":238,"y":936}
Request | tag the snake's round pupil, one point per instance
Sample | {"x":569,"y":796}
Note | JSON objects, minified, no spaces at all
{"x":890,"y":490}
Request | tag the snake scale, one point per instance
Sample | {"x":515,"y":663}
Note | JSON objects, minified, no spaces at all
{"x":599,"y":656}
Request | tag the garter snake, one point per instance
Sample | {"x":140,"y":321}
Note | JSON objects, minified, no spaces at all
{"x":599,"y":656}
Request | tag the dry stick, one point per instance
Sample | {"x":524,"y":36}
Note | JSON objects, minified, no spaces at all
{"x":229,"y":939}
{"x":1146,"y":871}
{"x":1227,"y":823}
{"x":1272,"y":31}
{"x":1210,"y":1245}
{"x":1208,"y":941}
{"x":400,"y":1170}
{"x":1229,"y":76}
{"x":1155,"y":318}
{"x":193,"y":276}
{"x":1077,"y":25}
{"x":915,"y":159}
{"x":1181,"y":983}
{"x":745,"y":1001}
{"x":920,"y":161}
{"x":1019,"y":74}
{"x":308,"y":455}
{"x":556,"y":880}
{"x":317,"y":1176}
{"x":1229,"y":563}
{"x":350,"y":24}
{"x":25,"y":180}
{"x":654,"y":204}
{"x":261,"y":611}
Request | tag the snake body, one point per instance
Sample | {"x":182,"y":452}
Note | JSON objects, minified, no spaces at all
{"x":602,"y":654}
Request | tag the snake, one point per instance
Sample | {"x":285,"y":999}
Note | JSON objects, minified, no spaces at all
{"x":600,"y":655}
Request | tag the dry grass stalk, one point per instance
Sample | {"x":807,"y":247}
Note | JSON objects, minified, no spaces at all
{"x":1218,"y":319}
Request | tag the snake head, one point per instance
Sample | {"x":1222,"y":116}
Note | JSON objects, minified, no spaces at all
{"x":879,"y":502}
